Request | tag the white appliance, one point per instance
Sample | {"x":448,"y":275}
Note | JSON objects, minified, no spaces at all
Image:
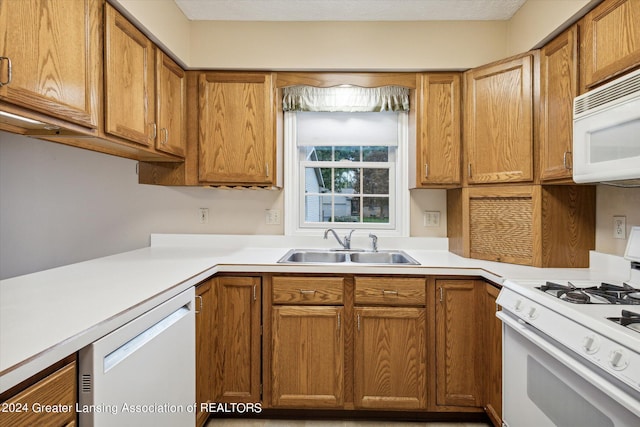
{"x":606,"y":133}
{"x":571,"y":350}
{"x":143,"y":373}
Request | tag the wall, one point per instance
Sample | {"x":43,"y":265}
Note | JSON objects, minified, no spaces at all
{"x":61,"y":205}
{"x":615,"y":201}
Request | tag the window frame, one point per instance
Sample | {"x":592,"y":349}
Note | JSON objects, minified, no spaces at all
{"x":294,"y":193}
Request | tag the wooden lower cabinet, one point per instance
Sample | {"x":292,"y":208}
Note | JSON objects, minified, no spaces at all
{"x":389,"y":358}
{"x":237,"y":339}
{"x":58,"y":389}
{"x":307,"y":356}
{"x":492,"y":355}
{"x":458,"y":334}
{"x":204,"y":348}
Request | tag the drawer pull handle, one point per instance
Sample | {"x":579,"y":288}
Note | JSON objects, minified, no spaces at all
{"x":307,"y":292}
{"x":386,"y":292}
{"x":6,"y":82}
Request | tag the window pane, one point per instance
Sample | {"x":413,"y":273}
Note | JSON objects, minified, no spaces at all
{"x":375,"y":209}
{"x":347,"y":181}
{"x":375,"y":154}
{"x":347,"y":209}
{"x":317,"y":180}
{"x":318,"y":153}
{"x":317,"y":208}
{"x":348,"y":153}
{"x":376,"y":181}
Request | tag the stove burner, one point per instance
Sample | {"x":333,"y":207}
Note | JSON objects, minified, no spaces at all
{"x":628,"y":319}
{"x":576,"y":297}
{"x":605,"y":293}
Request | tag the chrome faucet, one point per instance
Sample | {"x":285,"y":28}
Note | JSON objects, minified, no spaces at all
{"x":347,"y":239}
{"x":374,"y":242}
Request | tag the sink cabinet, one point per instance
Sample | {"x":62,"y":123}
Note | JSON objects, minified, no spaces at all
{"x":307,"y":342}
{"x":390,"y":343}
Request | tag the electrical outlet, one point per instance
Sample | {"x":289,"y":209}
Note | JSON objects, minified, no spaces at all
{"x":204,"y":216}
{"x":619,"y":227}
{"x":431,"y":218}
{"x":272,"y":216}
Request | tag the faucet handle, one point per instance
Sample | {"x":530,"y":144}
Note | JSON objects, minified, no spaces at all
{"x":374,"y":242}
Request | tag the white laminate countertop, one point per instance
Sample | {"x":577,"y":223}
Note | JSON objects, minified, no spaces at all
{"x":46,"y":316}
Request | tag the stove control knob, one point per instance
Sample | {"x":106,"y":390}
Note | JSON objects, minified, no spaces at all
{"x":591,"y":344}
{"x":617,"y":360}
{"x":518,"y":305}
{"x":533,"y":313}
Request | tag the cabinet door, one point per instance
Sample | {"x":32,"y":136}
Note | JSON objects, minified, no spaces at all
{"x":236,"y":139}
{"x":51,"y":58}
{"x":308,"y":357}
{"x":129,"y":81}
{"x":440,"y":144}
{"x":204,"y":348}
{"x":492,"y":345}
{"x":559,"y":85}
{"x":390,"y":361}
{"x":610,"y":41}
{"x":458,"y":335}
{"x":499,"y":122}
{"x":237,"y":345}
{"x":171,"y":88}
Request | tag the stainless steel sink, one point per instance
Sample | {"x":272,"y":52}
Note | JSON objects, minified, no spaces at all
{"x":383,"y":257}
{"x":315,"y":256}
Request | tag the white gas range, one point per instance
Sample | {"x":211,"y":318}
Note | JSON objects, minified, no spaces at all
{"x":571,"y":350}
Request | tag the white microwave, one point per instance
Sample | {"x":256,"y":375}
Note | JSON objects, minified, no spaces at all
{"x":606,"y":133}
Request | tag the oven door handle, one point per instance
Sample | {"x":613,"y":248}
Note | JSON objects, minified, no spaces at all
{"x":573,"y":363}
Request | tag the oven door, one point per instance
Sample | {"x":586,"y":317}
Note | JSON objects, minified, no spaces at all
{"x":540,"y":389}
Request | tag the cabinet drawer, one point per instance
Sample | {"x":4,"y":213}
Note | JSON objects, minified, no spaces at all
{"x":308,"y":290}
{"x":390,"y":291}
{"x":58,"y":390}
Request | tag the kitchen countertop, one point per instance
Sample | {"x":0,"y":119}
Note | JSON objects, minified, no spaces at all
{"x":49,"y":315}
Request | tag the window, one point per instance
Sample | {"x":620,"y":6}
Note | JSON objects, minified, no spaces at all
{"x":346,"y":170}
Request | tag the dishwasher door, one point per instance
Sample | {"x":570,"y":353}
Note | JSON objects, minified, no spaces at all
{"x":143,"y":373}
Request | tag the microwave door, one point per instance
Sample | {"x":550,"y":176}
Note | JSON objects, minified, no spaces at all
{"x":607,"y":144}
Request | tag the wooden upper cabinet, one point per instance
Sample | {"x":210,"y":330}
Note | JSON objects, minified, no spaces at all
{"x":236,"y":122}
{"x":558,"y":87}
{"x":171,"y":103}
{"x":499,"y":121}
{"x":610,"y":41}
{"x":439,"y":153}
{"x":129,"y":81}
{"x":51,"y":57}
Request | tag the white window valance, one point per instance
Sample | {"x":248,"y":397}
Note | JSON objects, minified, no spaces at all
{"x":345,"y":99}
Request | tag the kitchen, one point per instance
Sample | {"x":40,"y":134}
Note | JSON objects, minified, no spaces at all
{"x":58,"y":227}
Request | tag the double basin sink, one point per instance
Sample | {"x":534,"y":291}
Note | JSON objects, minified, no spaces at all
{"x":317,"y":256}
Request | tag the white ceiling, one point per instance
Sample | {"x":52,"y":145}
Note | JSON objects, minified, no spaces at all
{"x":348,"y":10}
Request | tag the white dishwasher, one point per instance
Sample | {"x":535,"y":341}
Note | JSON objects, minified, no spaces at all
{"x":143,"y":373}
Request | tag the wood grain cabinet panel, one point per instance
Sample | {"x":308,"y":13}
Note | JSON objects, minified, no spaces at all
{"x":458,"y":351}
{"x":307,"y":356}
{"x":54,"y":52}
{"x":57,"y":389}
{"x":498,"y":125}
{"x":389,"y":358}
{"x":204,"y":348}
{"x":559,"y":85}
{"x":543,"y":226}
{"x":390,"y":291}
{"x":610,"y":41}
{"x":492,"y":355}
{"x":440,"y":145}
{"x":236,"y":121}
{"x":129,"y":81}
{"x":171,"y":104}
{"x":237,"y":339}
{"x":308,"y":290}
